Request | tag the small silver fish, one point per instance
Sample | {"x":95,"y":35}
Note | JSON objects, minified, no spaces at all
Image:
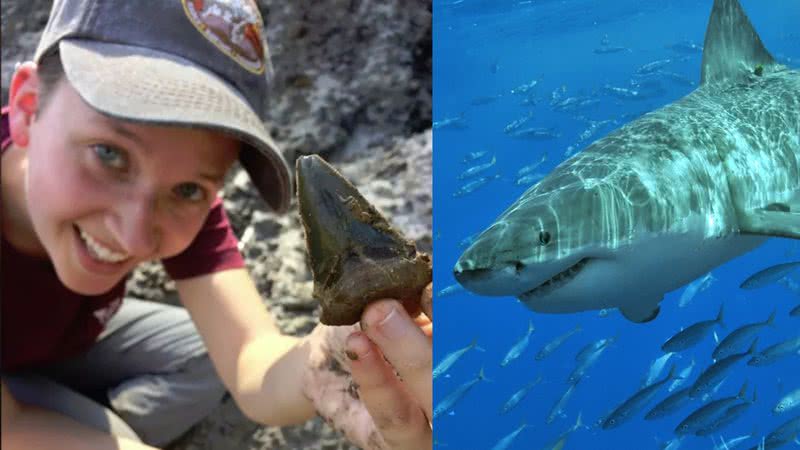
{"x":769,"y":275}
{"x":453,"y":398}
{"x":475,"y":170}
{"x":603,"y":50}
{"x":738,"y":337}
{"x":716,"y":372}
{"x":691,"y":335}
{"x":791,"y":284}
{"x":686,"y":47}
{"x":789,"y":402}
{"x":776,"y":352}
{"x":670,"y":404}
{"x":536,"y":134}
{"x":561,"y":442}
{"x":503,"y":443}
{"x":656,"y":368}
{"x":519,"y":395}
{"x":531,"y":167}
{"x":683,"y":376}
{"x":636,"y":402}
{"x":473,"y":185}
{"x":472,"y":156}
{"x":450,"y":290}
{"x":517,"y":123}
{"x":706,"y":415}
{"x":557,"y":342}
{"x":452,"y":357}
{"x":524,"y":88}
{"x":784,"y":434}
{"x":451,"y":123}
{"x":653,"y":66}
{"x":694,"y":288}
{"x":560,"y":405}
{"x":517,"y":349}
{"x":529,"y":179}
{"x":587,"y":357}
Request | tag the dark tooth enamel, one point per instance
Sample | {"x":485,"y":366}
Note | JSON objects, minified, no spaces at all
{"x":356,"y":257}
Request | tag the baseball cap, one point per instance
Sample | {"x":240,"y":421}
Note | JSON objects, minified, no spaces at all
{"x":195,"y":63}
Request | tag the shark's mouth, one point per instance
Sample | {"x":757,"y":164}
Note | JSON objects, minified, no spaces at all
{"x":557,"y":281}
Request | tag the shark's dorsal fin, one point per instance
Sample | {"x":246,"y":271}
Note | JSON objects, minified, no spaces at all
{"x":732,"y":48}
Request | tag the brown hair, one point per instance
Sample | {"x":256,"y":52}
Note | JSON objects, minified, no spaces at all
{"x":51,"y":72}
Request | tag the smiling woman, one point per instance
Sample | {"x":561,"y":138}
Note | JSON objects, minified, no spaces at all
{"x":114,"y":157}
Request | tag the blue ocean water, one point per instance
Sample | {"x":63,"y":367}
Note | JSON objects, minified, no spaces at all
{"x":483,"y":50}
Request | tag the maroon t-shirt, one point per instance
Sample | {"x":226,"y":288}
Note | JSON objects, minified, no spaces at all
{"x":43,"y":321}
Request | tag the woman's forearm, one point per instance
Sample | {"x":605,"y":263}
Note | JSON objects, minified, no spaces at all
{"x":270,"y":383}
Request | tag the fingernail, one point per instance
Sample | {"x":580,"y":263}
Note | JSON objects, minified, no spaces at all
{"x":391,"y":325}
{"x":357,"y":346}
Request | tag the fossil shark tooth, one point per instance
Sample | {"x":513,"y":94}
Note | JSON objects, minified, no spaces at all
{"x":356,"y":256}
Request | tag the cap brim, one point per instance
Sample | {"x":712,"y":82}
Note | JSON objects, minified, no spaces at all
{"x":144,"y":85}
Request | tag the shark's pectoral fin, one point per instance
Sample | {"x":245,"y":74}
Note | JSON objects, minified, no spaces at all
{"x":775,"y":219}
{"x":641,"y":312}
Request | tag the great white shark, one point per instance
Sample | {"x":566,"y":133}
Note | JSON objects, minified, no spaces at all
{"x":662,"y":200}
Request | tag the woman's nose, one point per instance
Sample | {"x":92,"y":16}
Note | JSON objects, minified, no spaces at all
{"x":139,"y":232}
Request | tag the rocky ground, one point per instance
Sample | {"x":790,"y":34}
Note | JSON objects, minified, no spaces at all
{"x":353,"y":83}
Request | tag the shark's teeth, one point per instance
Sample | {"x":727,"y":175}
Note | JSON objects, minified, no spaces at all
{"x":558,"y":280}
{"x":100,"y":252}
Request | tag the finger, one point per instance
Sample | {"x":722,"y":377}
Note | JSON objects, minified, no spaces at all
{"x":427,"y":330}
{"x":421,"y":320}
{"x":405,"y":346}
{"x":426,"y":301}
{"x":424,"y":324}
{"x":394,"y":411}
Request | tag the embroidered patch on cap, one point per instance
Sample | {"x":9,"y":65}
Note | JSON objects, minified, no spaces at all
{"x":235,"y":27}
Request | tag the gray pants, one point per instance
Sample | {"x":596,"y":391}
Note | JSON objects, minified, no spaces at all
{"x":148,"y":377}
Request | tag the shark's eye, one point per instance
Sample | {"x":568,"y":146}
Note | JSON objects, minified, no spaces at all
{"x":544,"y":237}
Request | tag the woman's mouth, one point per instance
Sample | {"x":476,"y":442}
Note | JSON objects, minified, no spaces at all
{"x":97,"y":256}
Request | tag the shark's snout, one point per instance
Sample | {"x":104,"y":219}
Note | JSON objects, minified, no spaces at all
{"x":497,"y":279}
{"x":493,"y":265}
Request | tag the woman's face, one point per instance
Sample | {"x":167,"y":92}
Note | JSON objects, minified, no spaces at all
{"x":104,"y":195}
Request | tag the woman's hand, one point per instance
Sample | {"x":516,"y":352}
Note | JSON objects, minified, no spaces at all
{"x":380,"y":394}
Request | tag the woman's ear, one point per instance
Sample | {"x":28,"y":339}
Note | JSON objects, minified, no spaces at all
{"x":23,"y":102}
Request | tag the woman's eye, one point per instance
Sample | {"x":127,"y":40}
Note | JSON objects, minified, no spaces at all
{"x":190,"y":191}
{"x":110,"y":156}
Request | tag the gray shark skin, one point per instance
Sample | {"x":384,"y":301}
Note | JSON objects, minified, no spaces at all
{"x":662,"y":200}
